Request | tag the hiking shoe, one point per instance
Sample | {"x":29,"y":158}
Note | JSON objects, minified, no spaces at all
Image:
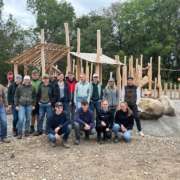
{"x":19,"y":137}
{"x":65,"y":145}
{"x":32,"y":130}
{"x":141,"y":133}
{"x":77,"y":142}
{"x":37,"y":133}
{"x":5,"y":140}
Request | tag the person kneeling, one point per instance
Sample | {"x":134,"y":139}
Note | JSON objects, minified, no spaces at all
{"x":104,"y":122}
{"x":83,"y":121}
{"x":123,"y":123}
{"x":59,"y":129}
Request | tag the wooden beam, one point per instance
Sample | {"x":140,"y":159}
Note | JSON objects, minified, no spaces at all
{"x":79,"y":61}
{"x":43,"y":61}
{"x":15,"y":69}
{"x":66,"y":26}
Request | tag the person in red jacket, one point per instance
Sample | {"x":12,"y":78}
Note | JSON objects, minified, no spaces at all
{"x":71,"y":83}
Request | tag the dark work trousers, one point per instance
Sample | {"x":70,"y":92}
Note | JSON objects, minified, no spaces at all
{"x":134,"y":108}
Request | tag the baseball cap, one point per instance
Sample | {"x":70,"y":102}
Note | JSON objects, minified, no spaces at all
{"x":26,"y":77}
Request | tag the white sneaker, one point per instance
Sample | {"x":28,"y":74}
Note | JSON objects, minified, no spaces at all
{"x":141,"y":133}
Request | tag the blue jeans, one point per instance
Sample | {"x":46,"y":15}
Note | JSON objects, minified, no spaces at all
{"x":24,"y":116}
{"x":15,"y":117}
{"x":3,"y":122}
{"x":94,"y":105}
{"x":65,"y":131}
{"x":44,"y":109}
{"x":126,"y":135}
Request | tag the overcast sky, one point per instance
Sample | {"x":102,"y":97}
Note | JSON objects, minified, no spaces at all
{"x":18,"y":9}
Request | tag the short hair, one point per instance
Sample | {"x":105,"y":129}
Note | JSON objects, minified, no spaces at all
{"x":130,"y":78}
{"x":60,"y":73}
{"x":84,"y":103}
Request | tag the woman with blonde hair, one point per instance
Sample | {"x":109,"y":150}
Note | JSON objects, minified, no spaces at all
{"x":124,"y":122}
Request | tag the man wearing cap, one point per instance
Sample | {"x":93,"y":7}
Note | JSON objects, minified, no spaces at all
{"x":24,"y":101}
{"x":96,"y":93}
{"x":58,"y":126}
{"x":3,"y":117}
{"x":11,"y":93}
{"x":83,"y":121}
{"x":111,"y":94}
{"x":35,"y":84}
{"x":82,"y":91}
{"x":131,"y":94}
{"x":46,"y":100}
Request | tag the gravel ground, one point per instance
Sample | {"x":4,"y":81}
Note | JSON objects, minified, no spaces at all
{"x":154,"y":157}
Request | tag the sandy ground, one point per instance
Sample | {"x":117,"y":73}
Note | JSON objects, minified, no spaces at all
{"x":154,"y":157}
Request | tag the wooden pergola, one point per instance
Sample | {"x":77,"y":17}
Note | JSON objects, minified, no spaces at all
{"x":43,"y":56}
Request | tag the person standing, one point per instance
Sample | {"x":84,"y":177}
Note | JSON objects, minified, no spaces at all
{"x":104,"y":122}
{"x":46,"y":100}
{"x":123,"y":123}
{"x":82,"y":91}
{"x":71,"y":83}
{"x":131,"y":94}
{"x":35,"y":84}
{"x":96,"y":93}
{"x":3,"y":117}
{"x":111,"y":94}
{"x":24,"y":101}
{"x":11,"y":94}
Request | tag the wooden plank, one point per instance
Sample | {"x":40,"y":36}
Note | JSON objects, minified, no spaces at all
{"x":43,"y":61}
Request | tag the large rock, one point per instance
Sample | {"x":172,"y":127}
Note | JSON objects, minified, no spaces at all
{"x":169,"y":108}
{"x":150,"y":109}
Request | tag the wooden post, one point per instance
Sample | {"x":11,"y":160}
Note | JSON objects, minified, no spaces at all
{"x":68,"y":45}
{"x":91,"y":73}
{"x":170,"y":87}
{"x":87,"y":71}
{"x":179,"y":90}
{"x":150,"y":74}
{"x":25,"y":69}
{"x":43,"y":61}
{"x":159,"y":76}
{"x":175,"y":91}
{"x":15,"y":69}
{"x":118,"y":73}
{"x":79,"y":61}
{"x":98,"y":52}
{"x":155,"y":87}
{"x":165,"y":88}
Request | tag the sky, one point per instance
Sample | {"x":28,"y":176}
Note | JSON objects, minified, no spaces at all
{"x":18,"y":9}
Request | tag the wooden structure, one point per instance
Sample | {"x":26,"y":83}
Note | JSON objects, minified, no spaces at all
{"x":43,"y":56}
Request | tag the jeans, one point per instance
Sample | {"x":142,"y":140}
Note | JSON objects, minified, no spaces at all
{"x":3,"y":122}
{"x":24,"y":116}
{"x":78,"y":128}
{"x":65,"y":131}
{"x":44,"y":109}
{"x":134,"y":108}
{"x":15,"y":117}
{"x":126,"y":135}
{"x":102,"y":129}
{"x":94,"y":105}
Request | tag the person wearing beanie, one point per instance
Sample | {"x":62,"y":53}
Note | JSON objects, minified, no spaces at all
{"x":111,"y":94}
{"x":24,"y":101}
{"x":10,"y":95}
{"x":35,"y":84}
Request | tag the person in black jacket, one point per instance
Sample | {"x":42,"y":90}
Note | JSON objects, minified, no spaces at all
{"x":10,"y":95}
{"x":45,"y":98}
{"x":61,"y":92}
{"x":58,"y":126}
{"x":104,"y":122}
{"x":124,"y":122}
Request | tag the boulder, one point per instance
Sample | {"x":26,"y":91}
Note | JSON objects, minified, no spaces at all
{"x":169,"y":108}
{"x":150,"y":109}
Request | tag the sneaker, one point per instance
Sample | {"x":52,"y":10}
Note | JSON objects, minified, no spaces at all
{"x":5,"y":140}
{"x":77,"y":142}
{"x":116,"y":140}
{"x":141,"y":133}
{"x":65,"y":145}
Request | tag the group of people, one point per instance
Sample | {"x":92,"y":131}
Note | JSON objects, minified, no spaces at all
{"x":60,"y":105}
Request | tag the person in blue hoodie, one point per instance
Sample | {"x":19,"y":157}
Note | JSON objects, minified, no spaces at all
{"x":59,"y":129}
{"x":83,"y":121}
